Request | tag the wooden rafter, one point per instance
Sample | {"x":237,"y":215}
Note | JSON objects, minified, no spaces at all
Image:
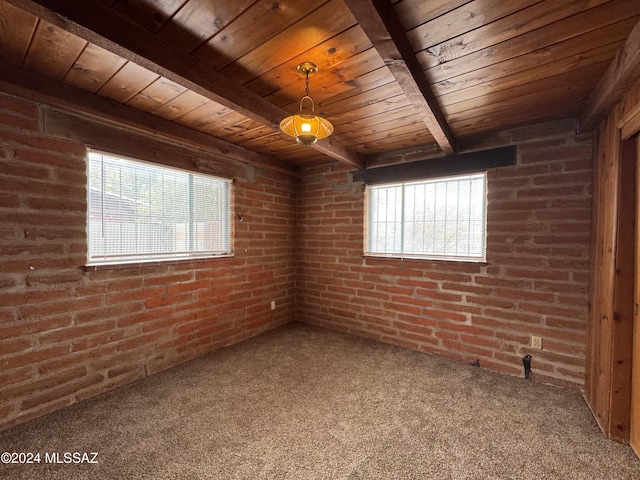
{"x":93,"y":21}
{"x":381,"y":24}
{"x":623,"y":73}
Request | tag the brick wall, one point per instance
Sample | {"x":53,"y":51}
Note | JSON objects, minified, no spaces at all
{"x":66,"y":333}
{"x":534,"y":282}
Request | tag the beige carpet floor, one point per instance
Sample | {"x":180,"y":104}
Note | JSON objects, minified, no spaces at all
{"x":301,"y":402}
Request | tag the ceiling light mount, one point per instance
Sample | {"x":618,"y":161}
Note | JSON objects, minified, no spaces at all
{"x":307,"y":69}
{"x":307,"y":127}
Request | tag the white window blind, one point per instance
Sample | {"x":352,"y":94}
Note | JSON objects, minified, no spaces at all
{"x":138,"y":211}
{"x":442,"y":218}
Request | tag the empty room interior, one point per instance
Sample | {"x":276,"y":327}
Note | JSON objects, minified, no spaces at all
{"x":322,"y":239}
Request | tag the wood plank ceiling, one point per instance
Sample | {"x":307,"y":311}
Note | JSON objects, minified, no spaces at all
{"x":394,"y":76}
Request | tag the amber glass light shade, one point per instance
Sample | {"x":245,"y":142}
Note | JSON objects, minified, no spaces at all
{"x":306,"y":128}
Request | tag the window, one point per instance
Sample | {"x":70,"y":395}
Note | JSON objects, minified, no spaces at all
{"x":140,"y":212}
{"x":442,"y":218}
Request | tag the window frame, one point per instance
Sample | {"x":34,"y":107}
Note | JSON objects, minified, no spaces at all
{"x":402,"y":254}
{"x":94,"y":260}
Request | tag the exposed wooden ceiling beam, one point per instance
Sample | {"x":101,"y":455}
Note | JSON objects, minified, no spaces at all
{"x":464,"y":163}
{"x":623,"y":73}
{"x":380,"y":23}
{"x":94,"y":22}
{"x":29,"y":85}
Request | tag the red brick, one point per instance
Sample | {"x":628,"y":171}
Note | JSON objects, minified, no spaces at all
{"x":54,"y":278}
{"x":43,"y":143}
{"x":14,"y":376}
{"x":400,"y":300}
{"x":75,"y":332}
{"x":134,"y":295}
{"x":513,"y":337}
{"x":10,"y":200}
{"x":32,"y":295}
{"x":5,"y":410}
{"x":446,"y":335}
{"x":14,"y":345}
{"x":60,"y":392}
{"x":411,"y":327}
{"x":445,"y":315}
{"x":139,"y":341}
{"x":59,"y":307}
{"x":43,"y":383}
{"x":167,"y":300}
{"x":35,"y":326}
{"x":566,"y":348}
{"x":48,"y":203}
{"x":97,"y":340}
{"x":160,"y":324}
{"x":20,"y":106}
{"x":136,"y":371}
{"x":438,"y":295}
{"x":117,"y":312}
{"x":465,"y":328}
{"x":16,"y":169}
{"x":151,"y":281}
{"x":32,"y":357}
{"x":482,"y":341}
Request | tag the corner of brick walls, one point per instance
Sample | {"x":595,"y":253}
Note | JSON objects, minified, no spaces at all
{"x":67,"y":334}
{"x":534,"y":282}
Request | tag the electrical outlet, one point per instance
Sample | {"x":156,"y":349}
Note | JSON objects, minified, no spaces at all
{"x":536,"y":342}
{"x":273,"y":304}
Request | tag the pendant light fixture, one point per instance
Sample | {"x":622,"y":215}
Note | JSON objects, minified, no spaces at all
{"x":307,"y":127}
